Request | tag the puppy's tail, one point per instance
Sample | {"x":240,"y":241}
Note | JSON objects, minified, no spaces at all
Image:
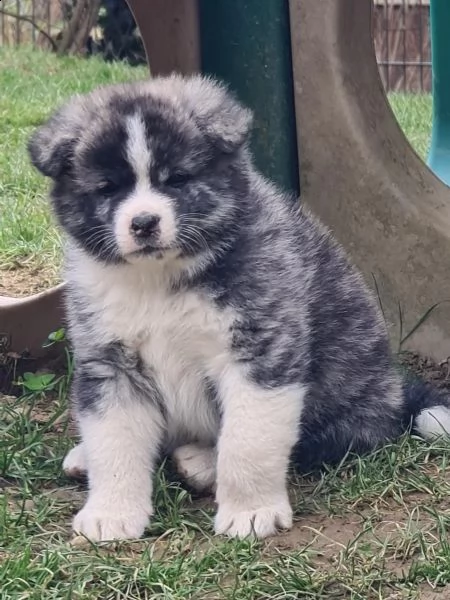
{"x":427,"y":407}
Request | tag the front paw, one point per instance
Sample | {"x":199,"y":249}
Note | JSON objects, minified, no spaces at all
{"x":102,"y":521}
{"x":241,"y":522}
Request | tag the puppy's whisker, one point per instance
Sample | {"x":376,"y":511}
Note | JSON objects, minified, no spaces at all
{"x":197,"y":235}
{"x":192,"y":237}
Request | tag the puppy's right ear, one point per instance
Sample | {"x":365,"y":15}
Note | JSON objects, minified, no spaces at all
{"x":51,"y":145}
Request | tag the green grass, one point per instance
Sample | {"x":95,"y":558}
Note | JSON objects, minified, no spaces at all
{"x":32,"y":84}
{"x":374,"y":529}
{"x":414,"y":114}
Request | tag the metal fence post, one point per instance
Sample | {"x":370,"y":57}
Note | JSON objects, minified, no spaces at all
{"x":247,"y":44}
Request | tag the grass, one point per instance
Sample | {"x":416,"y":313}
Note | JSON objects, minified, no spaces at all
{"x":32,"y":84}
{"x":414,"y":113}
{"x":374,"y":529}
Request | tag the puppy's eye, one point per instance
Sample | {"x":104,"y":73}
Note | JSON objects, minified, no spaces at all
{"x":108,"y":188}
{"x":177,"y":179}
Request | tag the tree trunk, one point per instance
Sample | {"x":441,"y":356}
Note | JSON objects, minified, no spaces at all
{"x":76,"y":33}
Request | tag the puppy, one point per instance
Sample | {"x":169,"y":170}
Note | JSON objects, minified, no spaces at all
{"x":211,"y":315}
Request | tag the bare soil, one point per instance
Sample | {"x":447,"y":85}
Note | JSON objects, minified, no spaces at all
{"x":436,"y":373}
{"x":25,"y":279}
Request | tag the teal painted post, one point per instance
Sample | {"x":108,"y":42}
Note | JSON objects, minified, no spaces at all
{"x":247,"y":44}
{"x":439,"y":155}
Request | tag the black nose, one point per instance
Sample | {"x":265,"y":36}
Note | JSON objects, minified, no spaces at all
{"x":145,"y":224}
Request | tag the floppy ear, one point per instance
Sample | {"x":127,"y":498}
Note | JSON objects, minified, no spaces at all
{"x":219,"y":114}
{"x":51,"y":145}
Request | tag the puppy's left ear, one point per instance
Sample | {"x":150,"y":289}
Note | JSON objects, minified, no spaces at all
{"x":51,"y":145}
{"x":224,"y":120}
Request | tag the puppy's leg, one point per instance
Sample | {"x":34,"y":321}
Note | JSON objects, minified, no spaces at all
{"x":259,"y":428}
{"x":121,"y":432}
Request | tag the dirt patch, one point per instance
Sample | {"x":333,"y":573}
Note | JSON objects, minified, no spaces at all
{"x":329,"y":534}
{"x":25,"y":279}
{"x":5,"y":399}
{"x":436,"y":373}
{"x":426,"y":594}
{"x":355,"y":545}
{"x":40,"y":410}
{"x":325,"y":535}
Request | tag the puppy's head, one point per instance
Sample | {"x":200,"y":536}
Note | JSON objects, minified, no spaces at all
{"x":150,"y":169}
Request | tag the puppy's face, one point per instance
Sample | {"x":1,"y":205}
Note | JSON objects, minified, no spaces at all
{"x":148,"y":170}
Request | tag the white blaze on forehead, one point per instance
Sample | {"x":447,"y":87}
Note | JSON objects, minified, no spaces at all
{"x":143,"y":198}
{"x":138,"y":152}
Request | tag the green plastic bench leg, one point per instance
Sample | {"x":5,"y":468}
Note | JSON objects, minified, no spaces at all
{"x":439,"y":156}
{"x":247,"y":44}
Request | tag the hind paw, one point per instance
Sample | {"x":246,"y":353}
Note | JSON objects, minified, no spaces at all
{"x":74,"y":465}
{"x":197,"y":465}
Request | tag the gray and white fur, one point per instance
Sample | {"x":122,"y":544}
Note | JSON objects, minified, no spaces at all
{"x":211,"y":316}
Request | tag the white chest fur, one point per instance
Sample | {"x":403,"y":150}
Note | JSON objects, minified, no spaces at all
{"x":182,"y":336}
